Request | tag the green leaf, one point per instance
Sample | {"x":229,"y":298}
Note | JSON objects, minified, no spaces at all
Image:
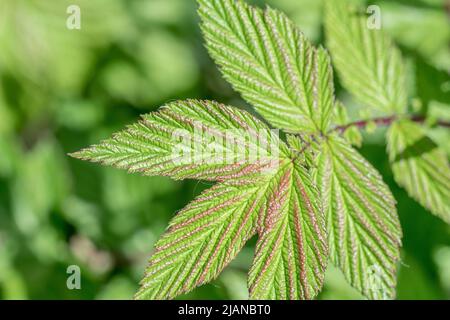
{"x":320,"y":197}
{"x":369,"y":65}
{"x":268,"y":60}
{"x":420,"y":167}
{"x":205,"y":236}
{"x":305,"y":148}
{"x":202,"y":239}
{"x":351,"y":134}
{"x":364,"y":231}
{"x":192,"y":139}
{"x":209,"y":232}
{"x":291,"y":254}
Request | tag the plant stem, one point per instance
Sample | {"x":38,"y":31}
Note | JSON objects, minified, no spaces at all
{"x":382,"y":121}
{"x":385,"y":121}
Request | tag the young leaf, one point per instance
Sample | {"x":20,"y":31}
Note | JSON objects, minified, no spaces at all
{"x":305,"y":148}
{"x":268,"y":60}
{"x":364,"y":231}
{"x":191,"y":139}
{"x":206,"y":235}
{"x":202,"y":239}
{"x":370,"y":66}
{"x":420,"y":167}
{"x":291,"y":254}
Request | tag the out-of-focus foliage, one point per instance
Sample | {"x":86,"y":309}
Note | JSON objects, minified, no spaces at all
{"x":63,"y":89}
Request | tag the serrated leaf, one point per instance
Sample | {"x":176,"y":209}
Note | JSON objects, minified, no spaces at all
{"x":268,"y":60}
{"x":207,"y":234}
{"x":291,"y":253}
{"x":364,"y":231}
{"x":368,"y":63}
{"x":189,"y":139}
{"x":420,"y":167}
{"x":202,"y":239}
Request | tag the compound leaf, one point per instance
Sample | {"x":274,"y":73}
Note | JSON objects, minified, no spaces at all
{"x":369,"y":65}
{"x":319,"y":197}
{"x":364,"y":231}
{"x":291,"y":253}
{"x":420,"y":167}
{"x":192,"y":139}
{"x":209,"y":232}
{"x":268,"y":60}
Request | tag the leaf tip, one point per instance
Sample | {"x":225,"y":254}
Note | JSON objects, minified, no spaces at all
{"x":83,"y":154}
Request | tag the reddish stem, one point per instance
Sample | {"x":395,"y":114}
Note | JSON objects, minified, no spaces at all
{"x":382,"y":121}
{"x":385,"y":121}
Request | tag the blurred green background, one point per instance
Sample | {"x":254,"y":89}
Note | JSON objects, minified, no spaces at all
{"x":63,"y":89}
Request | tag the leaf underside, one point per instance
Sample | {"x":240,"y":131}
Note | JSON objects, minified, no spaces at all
{"x":420,"y":167}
